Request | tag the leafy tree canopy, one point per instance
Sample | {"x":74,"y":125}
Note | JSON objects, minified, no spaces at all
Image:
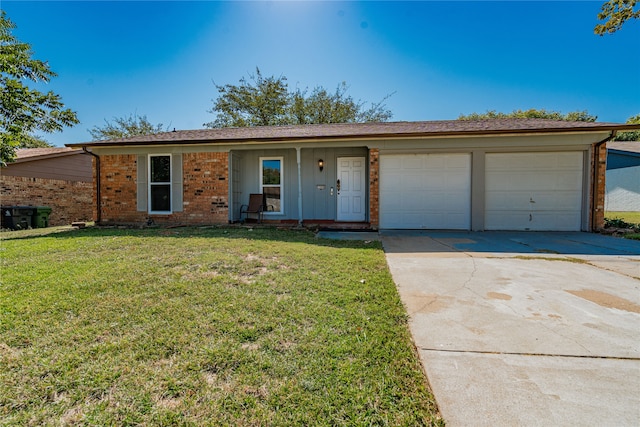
{"x":268,"y":101}
{"x":573,"y":116}
{"x":123,"y":127}
{"x":24,"y":111}
{"x":615,"y":13}
{"x":632,"y":135}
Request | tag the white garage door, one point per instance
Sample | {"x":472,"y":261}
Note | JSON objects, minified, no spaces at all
{"x":534,"y":191}
{"x":430,"y":191}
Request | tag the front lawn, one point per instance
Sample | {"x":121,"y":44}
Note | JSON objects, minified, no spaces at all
{"x":192,"y":326}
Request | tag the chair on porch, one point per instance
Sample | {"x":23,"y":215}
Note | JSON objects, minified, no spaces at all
{"x":256,"y":207}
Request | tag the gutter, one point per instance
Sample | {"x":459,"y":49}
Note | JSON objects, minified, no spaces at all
{"x":98,"y":206}
{"x":594,"y":183}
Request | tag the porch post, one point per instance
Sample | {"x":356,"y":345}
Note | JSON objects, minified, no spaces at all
{"x":299,"y":187}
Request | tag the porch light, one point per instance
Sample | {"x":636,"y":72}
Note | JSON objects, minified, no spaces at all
{"x":320,"y":164}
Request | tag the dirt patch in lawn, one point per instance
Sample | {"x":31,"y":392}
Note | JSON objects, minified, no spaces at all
{"x":607,"y":300}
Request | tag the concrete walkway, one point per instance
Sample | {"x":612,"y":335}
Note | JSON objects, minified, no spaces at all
{"x":524,"y":329}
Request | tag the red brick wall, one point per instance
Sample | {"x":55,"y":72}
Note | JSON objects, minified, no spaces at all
{"x":205,"y":190}
{"x":599,"y":162}
{"x":374,"y":187}
{"x":118,"y":190}
{"x":69,"y":200}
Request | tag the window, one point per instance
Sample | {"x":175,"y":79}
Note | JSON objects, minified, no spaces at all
{"x":160,"y":184}
{"x":271,"y":183}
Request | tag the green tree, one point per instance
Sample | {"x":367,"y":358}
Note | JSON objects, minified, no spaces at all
{"x":24,"y":111}
{"x":631,"y":135}
{"x":259,"y":101}
{"x":268,"y":101}
{"x":573,"y":116}
{"x":615,"y":13}
{"x":337,"y":107}
{"x":123,"y":127}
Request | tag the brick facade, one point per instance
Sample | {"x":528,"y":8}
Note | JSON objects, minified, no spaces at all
{"x":599,"y":164}
{"x":374,"y":187}
{"x":118,"y":192}
{"x":205,"y":190}
{"x":69,"y":200}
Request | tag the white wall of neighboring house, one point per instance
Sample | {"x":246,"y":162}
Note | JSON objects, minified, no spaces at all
{"x":623,"y":190}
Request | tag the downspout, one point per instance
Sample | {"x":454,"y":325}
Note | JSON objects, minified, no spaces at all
{"x":594,"y":183}
{"x":299,"y":188}
{"x":99,"y":210}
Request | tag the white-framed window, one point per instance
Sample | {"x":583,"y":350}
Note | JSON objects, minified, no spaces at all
{"x":160,"y":183}
{"x":271,"y":183}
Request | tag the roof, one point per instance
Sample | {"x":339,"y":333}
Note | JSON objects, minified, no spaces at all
{"x":362,"y":131}
{"x":630,"y":147}
{"x":31,"y":154}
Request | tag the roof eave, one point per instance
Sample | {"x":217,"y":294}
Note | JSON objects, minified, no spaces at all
{"x":361,"y":136}
{"x":47,"y":156}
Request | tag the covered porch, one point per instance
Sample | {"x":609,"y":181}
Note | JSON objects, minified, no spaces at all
{"x":321,"y":187}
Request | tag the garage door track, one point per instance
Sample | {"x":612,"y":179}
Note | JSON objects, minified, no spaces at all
{"x":524,"y":328}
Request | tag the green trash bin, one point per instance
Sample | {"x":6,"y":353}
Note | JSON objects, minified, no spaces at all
{"x":42,"y":216}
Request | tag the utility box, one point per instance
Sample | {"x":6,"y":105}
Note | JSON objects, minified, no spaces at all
{"x":18,"y":217}
{"x":41,"y":218}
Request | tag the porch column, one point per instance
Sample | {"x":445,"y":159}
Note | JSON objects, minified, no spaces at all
{"x":299,"y":187}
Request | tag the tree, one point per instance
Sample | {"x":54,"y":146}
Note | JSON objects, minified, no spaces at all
{"x":631,"y":135}
{"x":267,"y":101}
{"x":616,"y":13}
{"x":24,"y":111}
{"x":573,"y":116}
{"x":324,"y":107}
{"x":258,"y":102}
{"x":123,"y":127}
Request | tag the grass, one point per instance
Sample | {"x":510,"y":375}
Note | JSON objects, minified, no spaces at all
{"x":204,"y":327}
{"x":628,"y":217}
{"x":624,"y":220}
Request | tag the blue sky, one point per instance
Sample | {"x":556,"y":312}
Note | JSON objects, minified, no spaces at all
{"x":440,"y":59}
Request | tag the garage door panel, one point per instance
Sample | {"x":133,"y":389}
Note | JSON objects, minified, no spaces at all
{"x":411,"y":163}
{"x":534,"y":191}
{"x":425,"y":191}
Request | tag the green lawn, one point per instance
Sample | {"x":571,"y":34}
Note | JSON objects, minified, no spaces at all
{"x":191,"y":326}
{"x":629,"y":217}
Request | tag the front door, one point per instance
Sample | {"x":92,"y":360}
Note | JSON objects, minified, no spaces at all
{"x":351,"y":188}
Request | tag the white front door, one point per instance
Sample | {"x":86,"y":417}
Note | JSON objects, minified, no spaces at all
{"x":351,"y":188}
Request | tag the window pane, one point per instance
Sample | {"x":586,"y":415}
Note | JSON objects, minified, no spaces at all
{"x":160,"y":169}
{"x":160,"y":198}
{"x":272,"y":198}
{"x":271,"y":172}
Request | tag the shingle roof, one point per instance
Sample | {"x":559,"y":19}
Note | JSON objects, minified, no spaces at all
{"x":630,"y":146}
{"x":26,"y":154}
{"x":362,"y":130}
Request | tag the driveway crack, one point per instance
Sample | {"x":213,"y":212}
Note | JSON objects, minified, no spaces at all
{"x":514,"y":353}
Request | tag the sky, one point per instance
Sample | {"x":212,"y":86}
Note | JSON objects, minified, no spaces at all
{"x":438,"y":60}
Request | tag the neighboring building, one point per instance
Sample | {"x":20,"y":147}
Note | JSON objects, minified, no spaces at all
{"x":623,"y":176}
{"x":60,"y":178}
{"x":507,"y":174}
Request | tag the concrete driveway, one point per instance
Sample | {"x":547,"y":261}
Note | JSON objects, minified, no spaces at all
{"x":524,"y":328}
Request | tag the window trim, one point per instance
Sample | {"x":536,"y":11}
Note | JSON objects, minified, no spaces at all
{"x":150,"y":184}
{"x":281,"y":185}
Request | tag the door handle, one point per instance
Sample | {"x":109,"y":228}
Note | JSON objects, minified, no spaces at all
{"x":338,"y":185}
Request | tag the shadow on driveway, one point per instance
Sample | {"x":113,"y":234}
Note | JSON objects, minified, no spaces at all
{"x":505,"y":242}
